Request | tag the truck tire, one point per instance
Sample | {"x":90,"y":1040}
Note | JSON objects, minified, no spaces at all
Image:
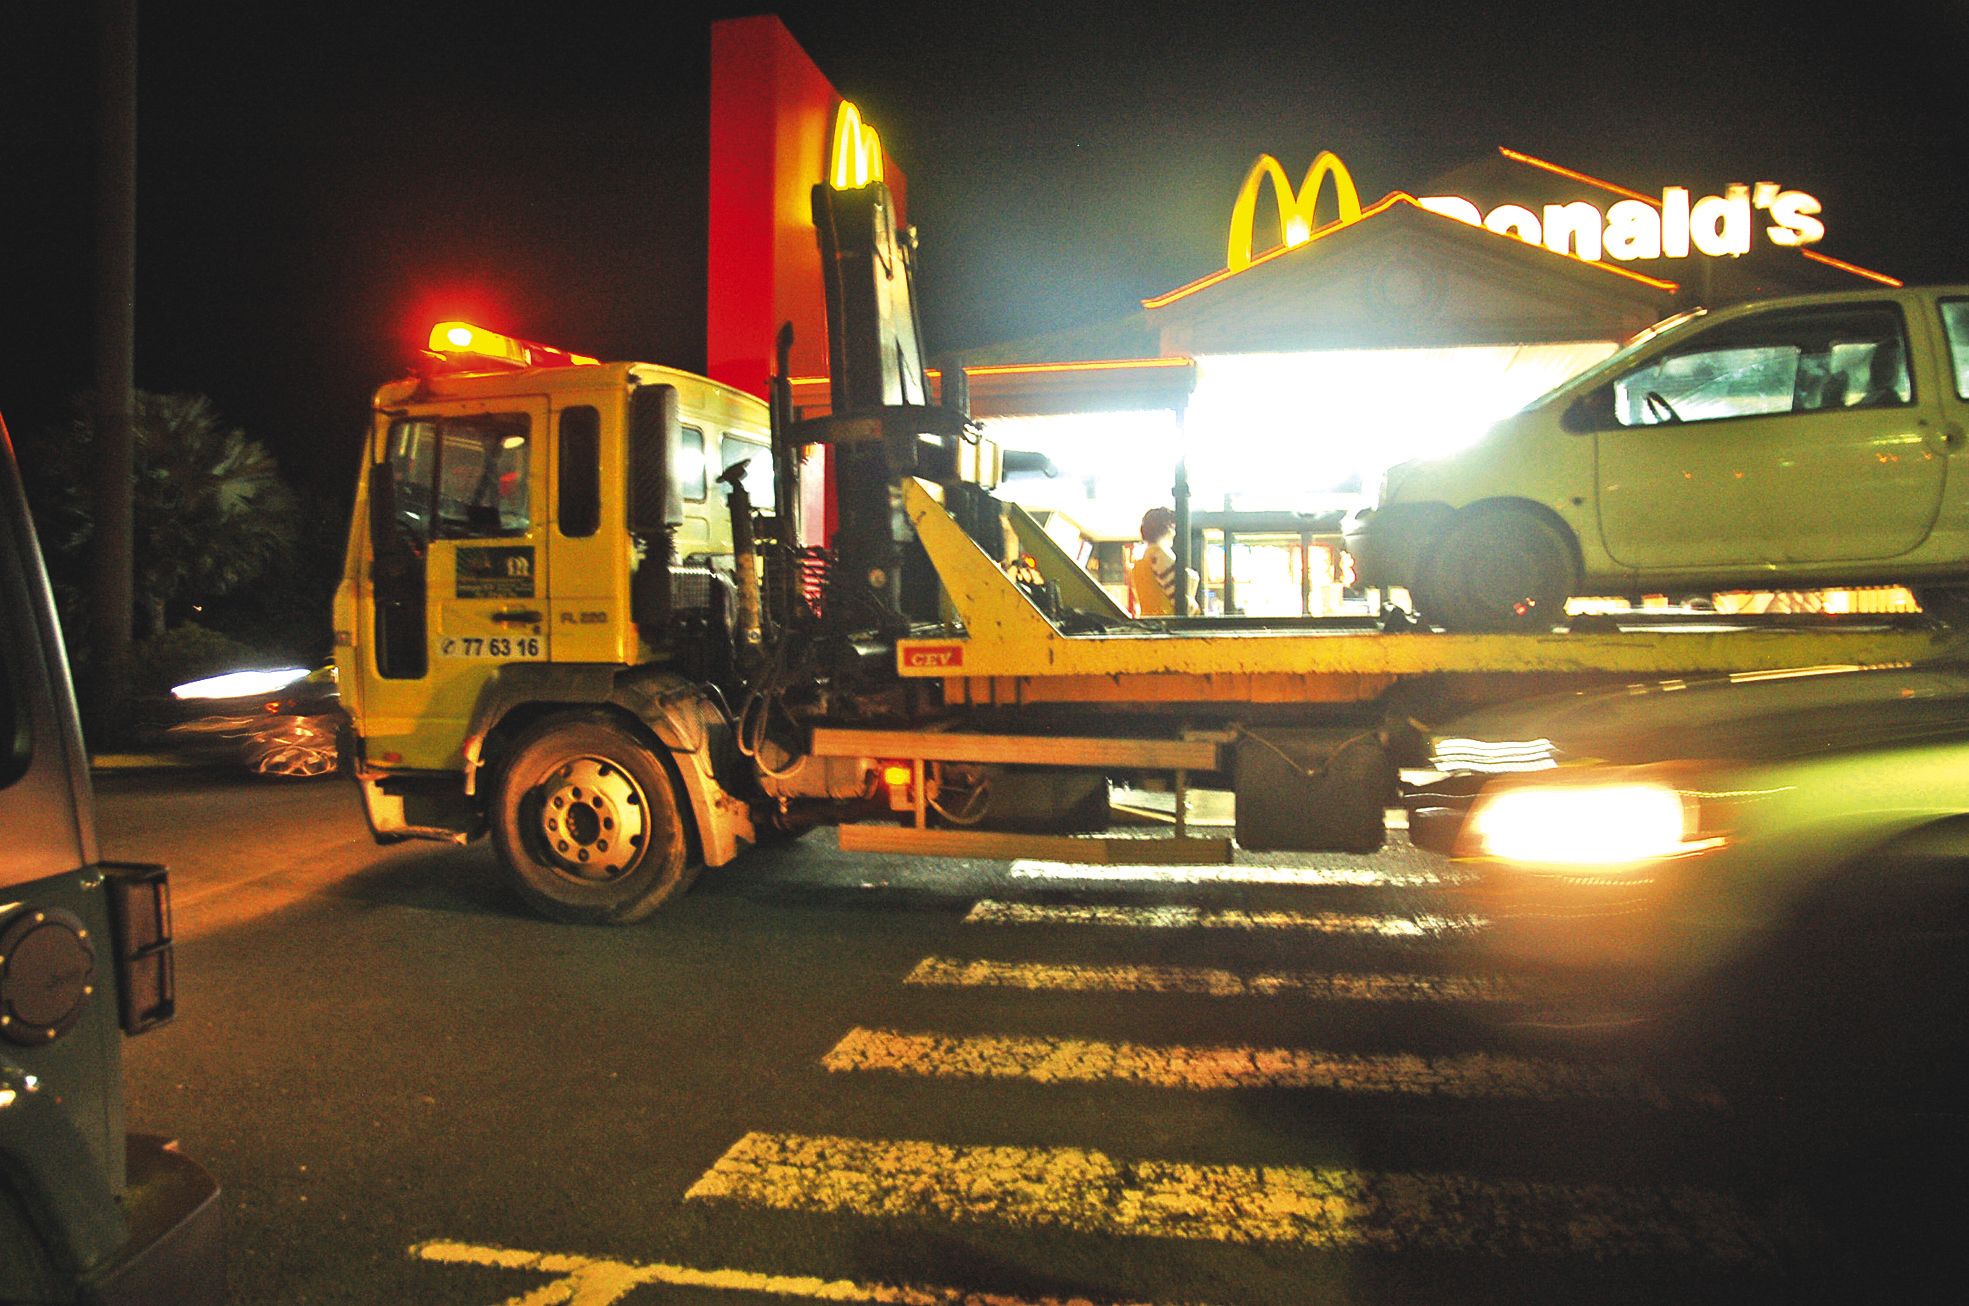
{"x":587,"y":823}
{"x":1498,"y":569}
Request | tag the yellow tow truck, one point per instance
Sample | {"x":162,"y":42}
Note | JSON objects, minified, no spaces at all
{"x":581,"y":611}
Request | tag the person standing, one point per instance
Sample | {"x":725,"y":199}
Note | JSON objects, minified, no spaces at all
{"x":1152,"y":578}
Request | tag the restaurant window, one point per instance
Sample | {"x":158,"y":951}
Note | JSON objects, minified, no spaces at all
{"x":1795,"y":361}
{"x":758,"y":460}
{"x":461,"y":477}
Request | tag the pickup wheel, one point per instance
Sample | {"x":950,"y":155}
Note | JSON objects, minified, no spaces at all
{"x":587,"y":823}
{"x":1498,"y":569}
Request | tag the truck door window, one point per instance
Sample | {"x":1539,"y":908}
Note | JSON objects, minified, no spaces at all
{"x":690,"y":465}
{"x":1796,"y":361}
{"x":580,"y":507}
{"x":13,"y":713}
{"x":758,"y":470}
{"x":461,"y":477}
{"x":1955,"y":323}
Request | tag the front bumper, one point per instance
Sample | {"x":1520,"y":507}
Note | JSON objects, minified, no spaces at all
{"x":175,"y":1253}
{"x":1389,"y":543}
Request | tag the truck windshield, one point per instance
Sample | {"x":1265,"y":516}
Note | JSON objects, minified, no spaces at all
{"x":461,"y":477}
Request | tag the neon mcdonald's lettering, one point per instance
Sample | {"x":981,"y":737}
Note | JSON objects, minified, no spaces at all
{"x":1295,"y":209}
{"x":856,"y":152}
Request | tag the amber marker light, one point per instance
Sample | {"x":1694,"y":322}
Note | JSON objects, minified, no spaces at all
{"x":465,"y":344}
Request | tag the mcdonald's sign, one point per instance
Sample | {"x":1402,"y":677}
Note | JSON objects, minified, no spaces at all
{"x":1295,"y":208}
{"x":856,"y":152}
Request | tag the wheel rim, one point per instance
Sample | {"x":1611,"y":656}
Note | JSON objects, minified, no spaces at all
{"x":1521,"y":579}
{"x":589,"y":820}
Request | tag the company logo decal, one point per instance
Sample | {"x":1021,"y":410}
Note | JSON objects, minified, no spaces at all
{"x":856,"y":153}
{"x":1295,"y":208}
{"x":933,"y":657}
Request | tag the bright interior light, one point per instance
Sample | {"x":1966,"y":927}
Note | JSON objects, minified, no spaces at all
{"x":1584,"y":825}
{"x":240,"y":684}
{"x":459,"y":335}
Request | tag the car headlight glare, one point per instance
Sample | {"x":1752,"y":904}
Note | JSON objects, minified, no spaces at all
{"x":240,"y":684}
{"x":1585,"y":825}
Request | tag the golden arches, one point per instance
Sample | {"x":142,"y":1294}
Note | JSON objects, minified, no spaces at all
{"x":1295,"y":209}
{"x":857,"y":150}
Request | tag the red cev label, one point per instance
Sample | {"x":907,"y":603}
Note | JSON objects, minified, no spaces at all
{"x":933,"y":657}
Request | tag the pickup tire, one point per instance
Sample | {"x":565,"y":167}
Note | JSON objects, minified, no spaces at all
{"x":1498,"y":568}
{"x":587,"y":823}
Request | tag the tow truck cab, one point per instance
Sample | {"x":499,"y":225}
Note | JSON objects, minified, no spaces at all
{"x":87,"y":1214}
{"x":528,"y":524}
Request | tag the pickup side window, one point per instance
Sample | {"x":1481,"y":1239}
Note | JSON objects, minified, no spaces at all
{"x":758,"y":471}
{"x":461,"y":477}
{"x":1955,"y":324}
{"x":690,"y":466}
{"x":1788,"y":361}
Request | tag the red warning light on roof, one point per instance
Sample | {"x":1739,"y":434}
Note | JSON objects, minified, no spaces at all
{"x":462,"y":345}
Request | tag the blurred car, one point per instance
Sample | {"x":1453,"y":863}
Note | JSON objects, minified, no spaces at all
{"x":285,"y":722}
{"x":1772,"y":866}
{"x":1786,"y":444}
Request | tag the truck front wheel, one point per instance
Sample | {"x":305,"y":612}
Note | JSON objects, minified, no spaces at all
{"x":587,"y":824}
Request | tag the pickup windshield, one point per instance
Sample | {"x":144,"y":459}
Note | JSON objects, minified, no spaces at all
{"x":1618,"y":358}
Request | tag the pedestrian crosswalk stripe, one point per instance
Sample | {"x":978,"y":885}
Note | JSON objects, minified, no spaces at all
{"x":992,"y":911}
{"x":1058,"y":1060}
{"x":1086,"y":1191}
{"x":598,"y":1281}
{"x":1362,"y":877}
{"x":1210,"y":981}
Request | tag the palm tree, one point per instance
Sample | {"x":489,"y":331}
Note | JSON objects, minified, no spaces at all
{"x":211,"y":510}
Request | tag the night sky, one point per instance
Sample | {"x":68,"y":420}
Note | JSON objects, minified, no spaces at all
{"x":320,"y":182}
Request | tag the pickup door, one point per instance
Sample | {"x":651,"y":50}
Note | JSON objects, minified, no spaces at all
{"x":1785,"y":438}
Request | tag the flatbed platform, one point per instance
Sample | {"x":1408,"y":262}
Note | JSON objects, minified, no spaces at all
{"x":1008,"y":653}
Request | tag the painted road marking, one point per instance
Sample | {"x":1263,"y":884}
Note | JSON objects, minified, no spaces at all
{"x":1361,"y":877}
{"x":1049,"y":1060}
{"x":597,"y":1281}
{"x":1210,"y":981}
{"x":1334,"y":1209}
{"x":992,"y":911}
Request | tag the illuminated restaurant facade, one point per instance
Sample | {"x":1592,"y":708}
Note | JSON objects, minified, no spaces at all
{"x":1338,"y":338}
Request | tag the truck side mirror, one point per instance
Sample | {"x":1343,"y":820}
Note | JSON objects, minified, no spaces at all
{"x":1592,"y":411}
{"x":656,"y":445}
{"x":656,"y":504}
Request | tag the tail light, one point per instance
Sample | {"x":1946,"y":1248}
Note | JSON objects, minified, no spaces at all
{"x":140,"y":919}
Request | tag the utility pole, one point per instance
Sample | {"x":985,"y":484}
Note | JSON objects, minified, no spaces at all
{"x":113,"y":590}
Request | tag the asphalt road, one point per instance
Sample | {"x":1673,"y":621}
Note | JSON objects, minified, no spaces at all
{"x":853,"y":1078}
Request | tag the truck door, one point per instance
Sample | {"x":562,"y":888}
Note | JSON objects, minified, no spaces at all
{"x":458,"y":581}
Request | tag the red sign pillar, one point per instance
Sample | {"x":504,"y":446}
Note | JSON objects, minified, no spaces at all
{"x":772,"y":124}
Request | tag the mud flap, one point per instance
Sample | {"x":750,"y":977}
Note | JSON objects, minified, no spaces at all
{"x":1299,"y":792}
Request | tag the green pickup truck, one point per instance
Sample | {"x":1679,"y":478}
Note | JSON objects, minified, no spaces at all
{"x":88,"y":1214}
